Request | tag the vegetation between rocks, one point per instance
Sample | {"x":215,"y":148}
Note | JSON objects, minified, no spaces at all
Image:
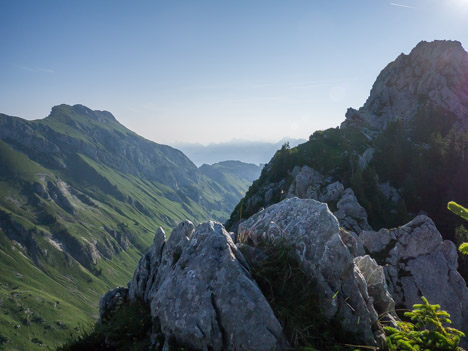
{"x":426,"y":331}
{"x":291,"y":294}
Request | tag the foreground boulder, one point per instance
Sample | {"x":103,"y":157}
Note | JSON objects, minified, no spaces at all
{"x":201,"y":293}
{"x":309,"y":227}
{"x":417,"y":262}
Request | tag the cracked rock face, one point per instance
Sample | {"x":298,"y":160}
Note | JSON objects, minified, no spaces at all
{"x":434,"y":74}
{"x":311,"y":184}
{"x":314,"y":232}
{"x":417,"y":262}
{"x":201,"y":292}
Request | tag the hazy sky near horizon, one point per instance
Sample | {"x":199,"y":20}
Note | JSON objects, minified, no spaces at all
{"x":211,"y":71}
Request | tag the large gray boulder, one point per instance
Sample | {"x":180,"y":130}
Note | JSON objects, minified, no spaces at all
{"x":311,"y":184}
{"x":201,"y":293}
{"x":308,"y":183}
{"x":417,"y":262}
{"x":350,"y":213}
{"x":312,"y":230}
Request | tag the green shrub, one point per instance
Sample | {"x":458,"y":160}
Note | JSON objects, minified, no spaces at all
{"x":463,"y":213}
{"x":425,"y":332}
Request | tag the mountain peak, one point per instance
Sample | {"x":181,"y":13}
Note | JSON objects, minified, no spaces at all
{"x":100,"y":116}
{"x":438,"y":49}
{"x":433,"y":75}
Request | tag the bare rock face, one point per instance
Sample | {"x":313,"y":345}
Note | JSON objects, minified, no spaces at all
{"x":352,"y":242}
{"x":201,"y":293}
{"x":309,"y":227}
{"x":308,"y":183}
{"x":350,"y":213}
{"x":145,"y":274}
{"x":433,"y":75}
{"x":311,"y":184}
{"x":417,"y":262}
{"x":377,"y":287}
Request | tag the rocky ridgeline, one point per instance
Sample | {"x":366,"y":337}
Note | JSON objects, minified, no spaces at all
{"x":416,"y":260}
{"x":201,"y":290}
{"x":434,"y":74}
{"x":202,"y":294}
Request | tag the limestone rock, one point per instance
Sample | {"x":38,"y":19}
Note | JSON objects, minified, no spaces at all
{"x":352,"y":242}
{"x":307,"y":184}
{"x":436,"y":71}
{"x":311,"y":184}
{"x":376,"y":242}
{"x":377,"y":287}
{"x":419,"y":263}
{"x":350,"y":213}
{"x":147,"y":269}
{"x":314,"y":232}
{"x":111,"y":302}
{"x":201,"y":293}
{"x":331,"y":192}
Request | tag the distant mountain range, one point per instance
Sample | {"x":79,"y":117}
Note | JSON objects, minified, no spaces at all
{"x":256,"y":152}
{"x":80,"y":199}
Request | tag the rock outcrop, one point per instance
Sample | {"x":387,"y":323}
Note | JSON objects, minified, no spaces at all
{"x":433,"y":75}
{"x":111,"y":302}
{"x":201,"y":293}
{"x":417,"y":262}
{"x":311,"y":184}
{"x":309,"y":227}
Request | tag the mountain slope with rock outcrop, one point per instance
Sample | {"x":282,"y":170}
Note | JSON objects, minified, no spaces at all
{"x":79,"y":196}
{"x":289,"y":278}
{"x":308,"y":252}
{"x":401,"y":154}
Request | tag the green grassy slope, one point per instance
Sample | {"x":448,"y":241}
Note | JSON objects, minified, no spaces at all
{"x":80,"y":199}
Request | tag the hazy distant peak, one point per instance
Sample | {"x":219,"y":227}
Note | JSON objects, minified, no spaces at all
{"x":254,"y":152}
{"x":433,"y":75}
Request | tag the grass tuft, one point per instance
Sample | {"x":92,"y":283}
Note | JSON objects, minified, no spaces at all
{"x":292,"y":295}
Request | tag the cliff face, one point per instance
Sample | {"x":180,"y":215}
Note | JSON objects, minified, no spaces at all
{"x":432,"y":75}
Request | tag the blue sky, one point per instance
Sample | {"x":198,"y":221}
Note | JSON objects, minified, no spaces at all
{"x":211,"y":71}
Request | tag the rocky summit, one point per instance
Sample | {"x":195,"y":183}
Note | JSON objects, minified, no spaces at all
{"x":433,"y":75}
